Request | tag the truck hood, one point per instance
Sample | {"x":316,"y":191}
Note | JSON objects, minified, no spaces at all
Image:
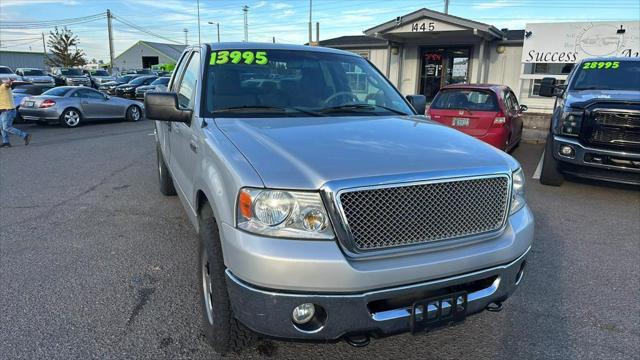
{"x":583,"y":98}
{"x":37,"y":78}
{"x":10,"y":76}
{"x":306,"y":153}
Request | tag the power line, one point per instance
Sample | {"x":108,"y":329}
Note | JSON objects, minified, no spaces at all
{"x":143,"y":30}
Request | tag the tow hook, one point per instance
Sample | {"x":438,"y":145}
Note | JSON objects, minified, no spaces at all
{"x":494,"y":307}
{"x":358,"y":340}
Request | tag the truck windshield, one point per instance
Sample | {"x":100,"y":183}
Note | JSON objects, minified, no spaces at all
{"x":270,"y":83}
{"x":99,"y":73}
{"x":71,"y":71}
{"x":33,"y":72}
{"x":607,"y":75}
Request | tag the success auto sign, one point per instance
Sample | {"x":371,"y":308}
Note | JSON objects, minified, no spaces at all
{"x":572,"y":42}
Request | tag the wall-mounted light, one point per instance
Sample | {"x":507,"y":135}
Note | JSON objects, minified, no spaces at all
{"x":500,"y":49}
{"x":395,"y":50}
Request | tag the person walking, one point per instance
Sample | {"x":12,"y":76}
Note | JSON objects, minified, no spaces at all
{"x":8,"y":114}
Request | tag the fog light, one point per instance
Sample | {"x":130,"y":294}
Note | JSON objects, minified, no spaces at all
{"x":303,"y":313}
{"x":566,"y":150}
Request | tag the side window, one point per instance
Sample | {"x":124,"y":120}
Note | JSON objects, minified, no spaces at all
{"x":508,"y":101}
{"x":177,"y":72}
{"x":188,"y":83}
{"x":514,"y":100}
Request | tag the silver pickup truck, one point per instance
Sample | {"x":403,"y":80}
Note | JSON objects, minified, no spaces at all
{"x":326,"y":208}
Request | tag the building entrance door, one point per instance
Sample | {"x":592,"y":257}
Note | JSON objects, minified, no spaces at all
{"x":442,"y":66}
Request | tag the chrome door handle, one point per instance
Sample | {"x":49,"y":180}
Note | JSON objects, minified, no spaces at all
{"x":194,"y":146}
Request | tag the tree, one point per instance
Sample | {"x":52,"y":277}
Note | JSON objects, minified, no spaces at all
{"x":60,"y":44}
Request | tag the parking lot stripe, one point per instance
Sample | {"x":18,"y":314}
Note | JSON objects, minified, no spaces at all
{"x":536,"y":174}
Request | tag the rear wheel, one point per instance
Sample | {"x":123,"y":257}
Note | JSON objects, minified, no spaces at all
{"x":164,"y":178}
{"x":134,"y":113}
{"x":222,"y":330}
{"x":71,"y":118}
{"x":550,"y":174}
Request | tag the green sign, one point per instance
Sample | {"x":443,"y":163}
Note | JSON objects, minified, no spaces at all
{"x":238,"y":57}
{"x":600,"y":65}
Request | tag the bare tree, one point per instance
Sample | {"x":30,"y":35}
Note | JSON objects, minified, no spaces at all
{"x":63,"y":45}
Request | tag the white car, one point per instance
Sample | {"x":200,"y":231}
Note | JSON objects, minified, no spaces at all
{"x":7,"y":74}
{"x":35,"y":76}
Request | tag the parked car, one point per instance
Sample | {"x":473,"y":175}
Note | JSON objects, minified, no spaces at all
{"x":110,"y":87}
{"x":7,"y":74}
{"x":69,"y":76}
{"x":490,"y":113}
{"x":20,"y":91}
{"x":324,"y":213}
{"x":595,"y":126}
{"x":73,"y":105}
{"x":98,"y":77}
{"x":159,"y":84}
{"x":35,"y":76}
{"x":163,"y":73}
{"x":140,"y":72}
{"x":128,"y":90}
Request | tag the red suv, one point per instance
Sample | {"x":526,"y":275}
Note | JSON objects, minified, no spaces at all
{"x":488,"y":112}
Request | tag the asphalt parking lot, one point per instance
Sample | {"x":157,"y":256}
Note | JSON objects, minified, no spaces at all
{"x":96,"y":263}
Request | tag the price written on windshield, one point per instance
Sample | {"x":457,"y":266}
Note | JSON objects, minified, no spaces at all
{"x":601,"y":65}
{"x":238,"y":57}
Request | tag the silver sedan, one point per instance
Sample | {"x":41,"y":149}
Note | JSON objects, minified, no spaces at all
{"x":73,"y":105}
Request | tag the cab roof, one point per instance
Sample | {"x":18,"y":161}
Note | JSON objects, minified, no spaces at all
{"x":492,"y":87}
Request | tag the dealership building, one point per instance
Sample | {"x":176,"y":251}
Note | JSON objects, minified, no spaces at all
{"x":424,"y":50}
{"x":145,"y":54}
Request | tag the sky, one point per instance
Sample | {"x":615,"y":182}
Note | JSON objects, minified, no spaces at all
{"x":23,"y":21}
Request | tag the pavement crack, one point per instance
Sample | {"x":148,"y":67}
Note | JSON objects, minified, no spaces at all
{"x":144,"y":295}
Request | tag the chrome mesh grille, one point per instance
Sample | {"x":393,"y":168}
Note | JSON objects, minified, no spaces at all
{"x":387,"y":217}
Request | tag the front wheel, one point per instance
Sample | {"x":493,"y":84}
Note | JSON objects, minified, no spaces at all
{"x":550,"y":174}
{"x":71,"y":118}
{"x":222,"y":330}
{"x":134,"y":113}
{"x":164,"y":178}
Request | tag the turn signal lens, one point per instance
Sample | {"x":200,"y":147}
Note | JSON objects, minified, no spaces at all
{"x":244,"y":204}
{"x":499,"y":121}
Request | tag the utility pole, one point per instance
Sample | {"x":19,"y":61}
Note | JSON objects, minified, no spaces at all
{"x":446,"y":6}
{"x":310,"y":22}
{"x":44,"y":45}
{"x":186,"y":39}
{"x":110,"y":31}
{"x":246,"y":23}
{"x":217,"y":24}
{"x":317,"y":33}
{"x":199,"y":41}
{"x":274,"y":39}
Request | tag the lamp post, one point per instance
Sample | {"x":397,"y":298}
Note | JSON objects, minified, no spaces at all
{"x":217,"y":24}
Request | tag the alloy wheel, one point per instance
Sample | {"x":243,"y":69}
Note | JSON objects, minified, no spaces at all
{"x":206,"y":286}
{"x":71,"y":118}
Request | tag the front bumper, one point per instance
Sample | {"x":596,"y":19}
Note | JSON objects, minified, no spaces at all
{"x":376,"y":313}
{"x":595,"y":163}
{"x":125,"y":93}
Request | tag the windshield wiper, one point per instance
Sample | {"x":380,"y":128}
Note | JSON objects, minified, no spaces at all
{"x":347,"y":107}
{"x":253,"y":108}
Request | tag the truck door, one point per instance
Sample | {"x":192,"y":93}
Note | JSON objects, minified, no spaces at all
{"x":182,"y":141}
{"x":163,"y":128}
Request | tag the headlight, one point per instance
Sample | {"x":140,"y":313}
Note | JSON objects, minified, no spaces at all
{"x":517,"y":191}
{"x":287,"y":214}
{"x":570,"y":122}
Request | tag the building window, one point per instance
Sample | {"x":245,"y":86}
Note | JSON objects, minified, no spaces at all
{"x":549,"y":68}
{"x":534,"y":89}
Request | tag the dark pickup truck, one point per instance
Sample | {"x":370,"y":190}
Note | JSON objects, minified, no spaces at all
{"x":595,"y":126}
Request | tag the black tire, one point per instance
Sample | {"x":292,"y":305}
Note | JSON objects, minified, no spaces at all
{"x":71,"y":118}
{"x":134,"y":113}
{"x":550,"y":174}
{"x":164,"y":177}
{"x":222,"y":330}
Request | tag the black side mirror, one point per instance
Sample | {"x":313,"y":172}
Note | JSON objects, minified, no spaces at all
{"x":163,"y":106}
{"x":419,"y":103}
{"x":548,"y":87}
{"x":523,"y":108}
